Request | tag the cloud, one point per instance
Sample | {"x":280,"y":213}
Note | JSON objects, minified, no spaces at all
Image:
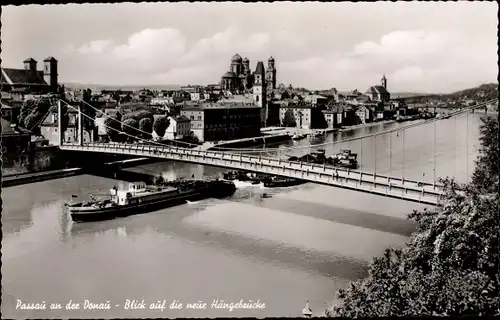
{"x":410,"y":59}
{"x":95,"y":47}
{"x":165,"y":54}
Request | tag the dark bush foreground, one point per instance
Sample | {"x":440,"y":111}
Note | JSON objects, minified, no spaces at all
{"x":451,"y":265}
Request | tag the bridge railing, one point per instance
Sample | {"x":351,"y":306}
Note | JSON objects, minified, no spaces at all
{"x":255,"y":162}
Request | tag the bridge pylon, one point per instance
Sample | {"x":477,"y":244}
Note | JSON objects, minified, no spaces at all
{"x":80,"y":125}
{"x":59,"y":123}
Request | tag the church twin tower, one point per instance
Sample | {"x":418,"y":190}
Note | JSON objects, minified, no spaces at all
{"x":239,"y":79}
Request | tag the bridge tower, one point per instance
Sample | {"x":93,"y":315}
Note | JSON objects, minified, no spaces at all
{"x":60,"y":132}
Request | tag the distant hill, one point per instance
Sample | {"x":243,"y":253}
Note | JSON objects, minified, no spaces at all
{"x":99,"y":87}
{"x":408,"y":94}
{"x":483,"y":92}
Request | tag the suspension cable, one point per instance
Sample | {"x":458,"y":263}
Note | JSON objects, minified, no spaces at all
{"x":136,"y":129}
{"x":119,"y":131}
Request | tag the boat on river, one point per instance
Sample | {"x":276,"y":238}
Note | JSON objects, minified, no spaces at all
{"x":141,"y":198}
{"x":281,"y":182}
{"x":268,"y":181}
{"x":298,"y":136}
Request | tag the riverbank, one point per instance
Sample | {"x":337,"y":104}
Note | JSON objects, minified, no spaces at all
{"x":248,"y":142}
{"x":24,"y":178}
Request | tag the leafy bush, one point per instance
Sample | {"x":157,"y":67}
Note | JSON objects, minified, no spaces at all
{"x":113,"y":128}
{"x":146,"y":125}
{"x":451,"y":266}
{"x":130,"y":127}
{"x":160,"y":126}
{"x":34,"y":111}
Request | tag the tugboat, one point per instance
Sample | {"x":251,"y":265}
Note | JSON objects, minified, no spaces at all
{"x":345,"y":158}
{"x":140,"y":198}
{"x":279,"y":182}
{"x":298,"y":136}
{"x":242,"y":176}
{"x":318,"y":134}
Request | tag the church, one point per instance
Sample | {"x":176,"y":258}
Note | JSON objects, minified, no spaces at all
{"x":241,"y":80}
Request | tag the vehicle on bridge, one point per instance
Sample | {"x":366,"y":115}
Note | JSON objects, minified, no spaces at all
{"x":140,"y":198}
{"x":345,"y":158}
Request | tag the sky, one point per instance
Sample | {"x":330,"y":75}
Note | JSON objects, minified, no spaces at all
{"x":431,"y":47}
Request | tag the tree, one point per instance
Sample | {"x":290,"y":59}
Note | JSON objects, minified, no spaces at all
{"x":130,"y":127}
{"x":451,"y":266}
{"x":113,"y":128}
{"x":34,"y":111}
{"x":318,"y":120}
{"x":89,"y":111}
{"x":144,"y":114}
{"x":289,"y":119}
{"x":485,"y":178}
{"x":160,"y":126}
{"x":146,"y":125}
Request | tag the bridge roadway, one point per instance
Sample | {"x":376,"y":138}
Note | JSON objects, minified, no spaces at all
{"x":323,"y":174}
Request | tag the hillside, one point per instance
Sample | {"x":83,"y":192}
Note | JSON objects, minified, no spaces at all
{"x":483,"y":92}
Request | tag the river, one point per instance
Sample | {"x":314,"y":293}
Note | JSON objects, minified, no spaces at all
{"x":280,"y":247}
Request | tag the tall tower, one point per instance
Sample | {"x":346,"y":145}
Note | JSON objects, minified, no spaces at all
{"x":50,"y":73}
{"x":236,"y":64}
{"x":270,"y":76}
{"x":30,"y":65}
{"x":384,"y":82}
{"x":259,"y":85}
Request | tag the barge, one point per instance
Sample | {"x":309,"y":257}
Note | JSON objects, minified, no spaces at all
{"x":257,"y":178}
{"x":141,"y":198}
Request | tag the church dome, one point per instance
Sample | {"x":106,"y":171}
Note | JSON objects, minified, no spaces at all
{"x":229,"y":74}
{"x":271,"y":59}
{"x":236,"y":58}
{"x":246,"y":60}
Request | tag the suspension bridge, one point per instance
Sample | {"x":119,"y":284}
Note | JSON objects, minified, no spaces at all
{"x":259,"y":160}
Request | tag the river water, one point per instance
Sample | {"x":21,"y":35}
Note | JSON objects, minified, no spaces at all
{"x":279,"y":247}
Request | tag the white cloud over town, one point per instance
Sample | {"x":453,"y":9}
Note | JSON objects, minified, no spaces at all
{"x":420,"y":55}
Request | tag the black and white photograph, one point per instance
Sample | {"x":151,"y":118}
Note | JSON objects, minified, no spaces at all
{"x":250,"y":160}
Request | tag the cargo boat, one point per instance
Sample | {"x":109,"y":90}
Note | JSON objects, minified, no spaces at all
{"x":140,"y":198}
{"x":257,"y":178}
{"x":279,"y":182}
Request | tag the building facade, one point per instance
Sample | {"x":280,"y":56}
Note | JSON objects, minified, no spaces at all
{"x":214,"y":122}
{"x":296,"y":116}
{"x":379,"y":93}
{"x":30,"y":79}
{"x":179,"y":127}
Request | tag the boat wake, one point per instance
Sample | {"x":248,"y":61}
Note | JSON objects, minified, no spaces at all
{"x":245,"y":184}
{"x":192,"y":202}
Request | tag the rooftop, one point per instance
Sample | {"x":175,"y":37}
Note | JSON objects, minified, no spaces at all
{"x":9,"y":129}
{"x":377,"y":89}
{"x":21,"y":77}
{"x":260,"y":68}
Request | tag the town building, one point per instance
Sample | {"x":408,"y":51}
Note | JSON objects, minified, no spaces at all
{"x":365,"y":114}
{"x":14,"y":138}
{"x":333,"y":118}
{"x":239,"y":79}
{"x":179,"y":128}
{"x":316,"y":100}
{"x":49,"y":127}
{"x":379,"y":93}
{"x":294,"y":115}
{"x":30,"y":79}
{"x":214,"y":122}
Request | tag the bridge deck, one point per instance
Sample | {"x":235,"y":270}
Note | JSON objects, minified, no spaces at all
{"x":323,"y":174}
